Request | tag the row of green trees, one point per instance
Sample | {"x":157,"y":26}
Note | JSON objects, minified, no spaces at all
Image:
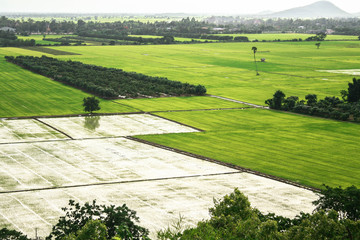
{"x":336,"y":216}
{"x":347,"y":108}
{"x":105,"y":82}
{"x":188,"y":26}
{"x":9,"y":39}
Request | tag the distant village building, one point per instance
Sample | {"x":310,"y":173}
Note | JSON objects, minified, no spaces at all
{"x":329,"y":31}
{"x":301,"y":27}
{"x":7,"y":29}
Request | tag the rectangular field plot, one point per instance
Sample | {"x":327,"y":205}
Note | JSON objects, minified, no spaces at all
{"x":158,"y":203}
{"x":116,"y":125}
{"x":92,"y":161}
{"x":26,"y":130}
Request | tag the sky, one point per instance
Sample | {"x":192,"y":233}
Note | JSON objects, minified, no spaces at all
{"x":163,"y":6}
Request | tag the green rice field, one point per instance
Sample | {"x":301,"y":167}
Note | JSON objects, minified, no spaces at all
{"x":307,"y":150}
{"x":228,"y":69}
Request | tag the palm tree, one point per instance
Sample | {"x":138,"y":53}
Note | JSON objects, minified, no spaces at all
{"x":254,"y":49}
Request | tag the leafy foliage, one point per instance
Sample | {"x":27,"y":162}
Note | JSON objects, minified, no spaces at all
{"x":329,"y":107}
{"x":9,"y":39}
{"x":344,"y":201}
{"x":353,"y":93}
{"x":12,"y":235}
{"x":119,"y":221}
{"x":91,"y":104}
{"x":93,"y":229}
{"x":233,"y":218}
{"x":105,"y":82}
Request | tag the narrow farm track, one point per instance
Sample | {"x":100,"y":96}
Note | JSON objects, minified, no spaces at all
{"x":116,"y":182}
{"x":237,"y":101}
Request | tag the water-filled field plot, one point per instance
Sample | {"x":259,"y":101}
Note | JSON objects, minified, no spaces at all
{"x":81,"y":159}
{"x":26,"y":130}
{"x":114,"y":126}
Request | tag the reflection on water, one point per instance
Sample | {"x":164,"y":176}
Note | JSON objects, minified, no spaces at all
{"x":92,"y":122}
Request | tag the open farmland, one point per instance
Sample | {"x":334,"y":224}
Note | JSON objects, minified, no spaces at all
{"x":40,"y":175}
{"x":55,"y":159}
{"x":228,"y":70}
{"x":300,"y":148}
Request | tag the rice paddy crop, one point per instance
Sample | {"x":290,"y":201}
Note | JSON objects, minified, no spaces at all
{"x":307,"y":150}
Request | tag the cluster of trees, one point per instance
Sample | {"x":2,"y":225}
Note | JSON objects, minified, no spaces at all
{"x":344,"y":26}
{"x":317,"y":37}
{"x":189,"y":28}
{"x":128,"y":40}
{"x":9,"y":39}
{"x":91,"y":221}
{"x":336,"y":216}
{"x":105,"y":82}
{"x":64,"y":41}
{"x":347,"y":108}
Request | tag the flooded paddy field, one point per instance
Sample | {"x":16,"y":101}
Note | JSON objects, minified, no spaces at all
{"x":83,"y":159}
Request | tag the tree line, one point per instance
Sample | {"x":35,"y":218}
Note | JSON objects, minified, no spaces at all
{"x":336,"y":216}
{"x":9,"y":39}
{"x":105,"y":82}
{"x":187,"y":27}
{"x":237,"y":24}
{"x":346,"y":109}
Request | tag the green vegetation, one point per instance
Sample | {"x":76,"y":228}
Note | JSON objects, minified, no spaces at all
{"x":228,"y":69}
{"x":179,"y":103}
{"x":49,"y":51}
{"x":91,"y":104}
{"x":282,"y":145}
{"x":289,"y":36}
{"x":9,"y":39}
{"x":329,"y":107}
{"x":120,"y":221}
{"x":105,"y":82}
{"x":47,"y":39}
{"x":233,"y":218}
{"x":23,"y":93}
{"x":299,"y":148}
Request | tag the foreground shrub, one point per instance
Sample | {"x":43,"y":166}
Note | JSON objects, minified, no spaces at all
{"x":119,"y":221}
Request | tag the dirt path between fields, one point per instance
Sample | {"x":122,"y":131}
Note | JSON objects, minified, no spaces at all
{"x":237,"y":101}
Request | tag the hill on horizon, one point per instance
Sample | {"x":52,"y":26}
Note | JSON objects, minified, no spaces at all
{"x":318,"y":9}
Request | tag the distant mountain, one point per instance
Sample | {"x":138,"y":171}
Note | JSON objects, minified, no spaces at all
{"x":319,"y":9}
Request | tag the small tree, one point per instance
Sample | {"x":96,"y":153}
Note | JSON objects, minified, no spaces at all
{"x":317,"y":45}
{"x":277,"y":100}
{"x":353,"y":92}
{"x":91,"y":104}
{"x":254,"y":49}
